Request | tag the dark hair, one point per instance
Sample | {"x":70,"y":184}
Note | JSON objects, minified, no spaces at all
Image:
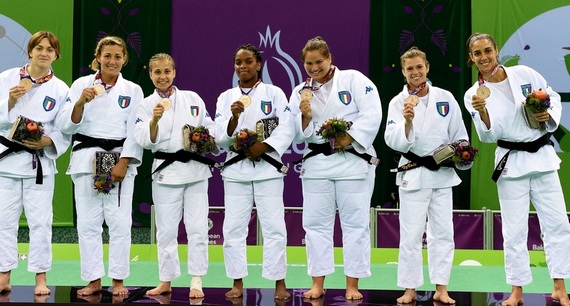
{"x":316,"y":43}
{"x":411,"y":53}
{"x":253,"y":49}
{"x":38,"y":36}
{"x":472,"y":39}
{"x":109,"y":41}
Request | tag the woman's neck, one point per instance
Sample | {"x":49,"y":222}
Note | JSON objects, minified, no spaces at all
{"x":37,"y":72}
{"x":107,"y":79}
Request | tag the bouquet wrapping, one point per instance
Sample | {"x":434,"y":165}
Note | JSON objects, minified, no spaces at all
{"x":536,"y":102}
{"x":26,"y":129}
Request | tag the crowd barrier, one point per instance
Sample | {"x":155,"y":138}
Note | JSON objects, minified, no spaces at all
{"x":474,"y":229}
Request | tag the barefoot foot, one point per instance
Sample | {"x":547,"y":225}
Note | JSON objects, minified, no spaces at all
{"x":408,"y":297}
{"x":119,"y":288}
{"x":91,"y":288}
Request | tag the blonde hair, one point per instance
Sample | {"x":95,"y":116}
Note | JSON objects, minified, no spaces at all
{"x":109,"y":41}
{"x":411,"y":53}
{"x":161,"y":56}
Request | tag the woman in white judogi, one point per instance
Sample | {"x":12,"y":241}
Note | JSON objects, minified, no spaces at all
{"x":527,"y":175}
{"x":101,"y":112}
{"x":27,"y":171}
{"x":180,"y":188}
{"x":254,"y":178}
{"x":422,"y":118}
{"x":343,"y":180}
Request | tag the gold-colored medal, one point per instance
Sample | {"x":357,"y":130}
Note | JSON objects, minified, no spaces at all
{"x":99,"y":89}
{"x":166,"y":103}
{"x":413,"y":99}
{"x":246,"y":100}
{"x":27,"y":83}
{"x":483,"y":92}
{"x":306,"y":94}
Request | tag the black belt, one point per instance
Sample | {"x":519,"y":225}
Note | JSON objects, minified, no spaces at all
{"x":417,"y":161}
{"x":325,"y":149}
{"x":90,"y":142}
{"x":532,"y":147}
{"x":241,"y":156}
{"x":181,"y":156}
{"x":16,"y":147}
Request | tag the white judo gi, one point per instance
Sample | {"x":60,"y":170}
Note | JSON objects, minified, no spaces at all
{"x":341,"y":180}
{"x":258,"y":182}
{"x":18,"y":188}
{"x":109,"y":116}
{"x":180,"y":189}
{"x":526,"y":176}
{"x":423,"y":192}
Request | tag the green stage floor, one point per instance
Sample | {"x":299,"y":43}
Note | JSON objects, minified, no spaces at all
{"x":465,"y":277}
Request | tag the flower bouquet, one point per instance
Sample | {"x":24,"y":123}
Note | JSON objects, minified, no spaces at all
{"x":536,"y":102}
{"x":464,"y":155}
{"x":333,"y":128}
{"x":242,"y":140}
{"x":26,"y":129}
{"x":103,"y":183}
{"x":198,"y":140}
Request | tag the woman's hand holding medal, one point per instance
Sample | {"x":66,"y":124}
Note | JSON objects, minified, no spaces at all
{"x":16,"y":93}
{"x":479,"y":104}
{"x":157,"y":113}
{"x":87,"y":95}
{"x":408,"y":111}
{"x":305,"y":103}
{"x":237,"y":108}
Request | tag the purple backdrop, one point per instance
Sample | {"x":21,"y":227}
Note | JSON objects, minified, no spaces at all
{"x":468,"y":228}
{"x":205,"y":35}
{"x":215,"y":232}
{"x":534,"y":242}
{"x":296,"y":233}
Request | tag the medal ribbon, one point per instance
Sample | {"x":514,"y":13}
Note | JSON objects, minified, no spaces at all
{"x":308,"y":82}
{"x":480,"y":76}
{"x":24,"y":75}
{"x":418,"y":89}
{"x":99,"y":80}
{"x":247,"y":93}
{"x":165,"y":93}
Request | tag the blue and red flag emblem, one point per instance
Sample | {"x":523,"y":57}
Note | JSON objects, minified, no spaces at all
{"x":266,"y":107}
{"x":124,"y":101}
{"x":442,"y":108}
{"x":345,"y":97}
{"x":49,"y":103}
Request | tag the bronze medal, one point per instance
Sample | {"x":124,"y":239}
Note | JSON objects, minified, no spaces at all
{"x":26,"y":83}
{"x":306,"y":94}
{"x":99,"y":89}
{"x":246,"y":100}
{"x":483,"y":92}
{"x":166,"y":103}
{"x":413,"y":99}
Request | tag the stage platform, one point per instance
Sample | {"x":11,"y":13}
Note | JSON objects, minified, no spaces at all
{"x":258,"y":297}
{"x":477,"y":278}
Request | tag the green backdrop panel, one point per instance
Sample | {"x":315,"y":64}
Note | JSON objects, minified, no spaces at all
{"x":56,"y":17}
{"x":507,"y":19}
